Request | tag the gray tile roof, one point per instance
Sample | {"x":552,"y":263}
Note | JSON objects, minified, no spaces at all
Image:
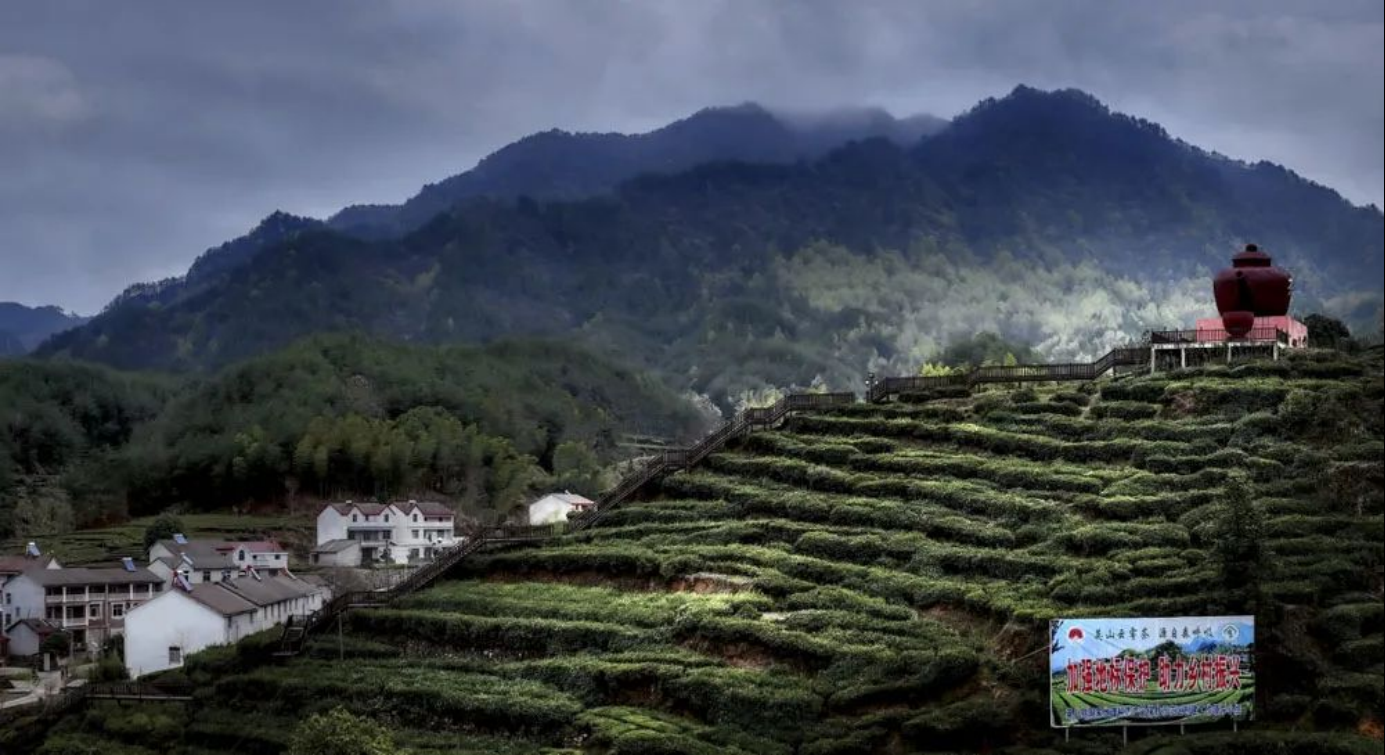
{"x":263,"y":592}
{"x":334,"y":546}
{"x":92,"y":576}
{"x":369,"y":509}
{"x":246,"y":594}
{"x":19,"y":564}
{"x":39,"y":626}
{"x":205,"y":554}
{"x":216,"y":597}
{"x":427,"y":508}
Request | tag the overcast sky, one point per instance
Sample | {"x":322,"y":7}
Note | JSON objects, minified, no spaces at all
{"x":134,"y":135}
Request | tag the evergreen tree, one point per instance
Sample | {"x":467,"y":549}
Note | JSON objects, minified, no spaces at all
{"x":1238,"y":535}
{"x":164,"y":527}
{"x":1326,"y":332}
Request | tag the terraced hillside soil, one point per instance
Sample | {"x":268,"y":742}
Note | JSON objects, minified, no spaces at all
{"x":879,"y":578}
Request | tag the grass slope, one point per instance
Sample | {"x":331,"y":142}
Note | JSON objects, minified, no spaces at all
{"x":877,"y":579}
{"x":109,"y":544}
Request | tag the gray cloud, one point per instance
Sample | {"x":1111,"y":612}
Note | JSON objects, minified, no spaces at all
{"x":133,"y":136}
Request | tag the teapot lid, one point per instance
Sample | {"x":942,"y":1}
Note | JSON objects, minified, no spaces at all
{"x":1251,"y":257}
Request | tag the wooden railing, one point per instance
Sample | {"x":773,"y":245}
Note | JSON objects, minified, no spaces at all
{"x":1259,"y":335}
{"x":1021,"y":373}
{"x":71,"y":697}
{"x":298,"y":628}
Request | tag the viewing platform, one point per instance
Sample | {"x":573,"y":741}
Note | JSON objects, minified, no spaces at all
{"x":1210,"y":341}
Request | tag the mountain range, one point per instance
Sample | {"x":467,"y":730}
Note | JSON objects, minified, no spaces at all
{"x":22,"y":328}
{"x":739,"y":250}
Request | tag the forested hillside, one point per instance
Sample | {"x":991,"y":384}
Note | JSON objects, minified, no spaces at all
{"x":480,"y":427}
{"x":1042,"y":216}
{"x":879,"y":578}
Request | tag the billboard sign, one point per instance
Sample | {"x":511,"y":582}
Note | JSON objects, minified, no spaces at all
{"x":1129,"y":672}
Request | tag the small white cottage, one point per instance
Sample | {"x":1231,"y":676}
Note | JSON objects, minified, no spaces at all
{"x":555,"y":507}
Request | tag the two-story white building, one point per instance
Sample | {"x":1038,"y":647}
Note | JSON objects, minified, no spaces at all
{"x":355,"y":534}
{"x":190,"y":617}
{"x":88,"y":603}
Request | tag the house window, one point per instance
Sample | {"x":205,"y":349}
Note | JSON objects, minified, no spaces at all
{"x":240,"y":555}
{"x":387,"y":517}
{"x":413,"y":553}
{"x":54,"y":592}
{"x":8,"y":598}
{"x":141,"y":589}
{"x":353,"y":517}
{"x":97,"y":590}
{"x":94,"y":610}
{"x":415,"y":517}
{"x":76,"y":612}
{"x":117,"y":610}
{"x":54,"y":613}
{"x":175,"y":655}
{"x":415,"y":534}
{"x":278,"y":557}
{"x":207,"y":576}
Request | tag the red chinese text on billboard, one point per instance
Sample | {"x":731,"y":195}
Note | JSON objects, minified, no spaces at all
{"x":1179,"y":674}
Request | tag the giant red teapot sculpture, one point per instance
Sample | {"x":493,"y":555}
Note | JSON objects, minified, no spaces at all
{"x":1251,"y":288}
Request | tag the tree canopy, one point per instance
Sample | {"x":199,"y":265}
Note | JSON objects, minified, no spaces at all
{"x":340,"y":732}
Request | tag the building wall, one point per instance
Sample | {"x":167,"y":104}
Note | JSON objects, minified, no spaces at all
{"x":171,"y":620}
{"x":26,"y":598}
{"x":351,"y":556}
{"x":6,"y":607}
{"x":270,"y":562}
{"x":1215,"y":330}
{"x":331,"y":525}
{"x":23,"y":642}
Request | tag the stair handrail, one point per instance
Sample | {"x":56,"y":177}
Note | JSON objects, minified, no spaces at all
{"x":1118,"y":356}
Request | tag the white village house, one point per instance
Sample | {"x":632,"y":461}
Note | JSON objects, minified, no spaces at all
{"x":555,"y":507}
{"x":216,"y":560}
{"x":190,"y":617}
{"x":11,"y":567}
{"x":355,"y":534}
